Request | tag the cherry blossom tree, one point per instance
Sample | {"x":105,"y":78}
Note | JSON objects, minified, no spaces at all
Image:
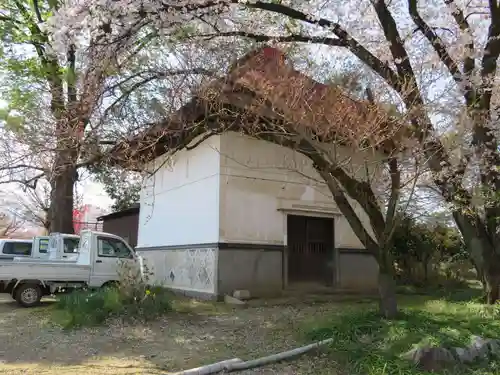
{"x":67,"y":104}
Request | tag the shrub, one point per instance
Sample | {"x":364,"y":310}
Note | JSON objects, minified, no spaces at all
{"x":430,"y":254}
{"x":130,"y":299}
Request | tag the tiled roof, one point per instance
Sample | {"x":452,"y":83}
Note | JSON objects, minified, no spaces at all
{"x":265,"y":84}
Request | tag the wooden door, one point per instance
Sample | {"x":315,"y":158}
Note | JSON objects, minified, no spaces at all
{"x":310,"y":249}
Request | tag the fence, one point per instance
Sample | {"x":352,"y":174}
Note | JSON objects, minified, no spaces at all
{"x":81,"y":225}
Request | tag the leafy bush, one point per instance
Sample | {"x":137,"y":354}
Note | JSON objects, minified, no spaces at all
{"x":130,"y":299}
{"x":429,"y":254}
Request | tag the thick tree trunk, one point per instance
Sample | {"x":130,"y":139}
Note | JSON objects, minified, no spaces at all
{"x":388,"y":305}
{"x":488,"y":269}
{"x":62,"y":200}
{"x":492,"y":285}
{"x":491,"y":275}
{"x":483,"y":254}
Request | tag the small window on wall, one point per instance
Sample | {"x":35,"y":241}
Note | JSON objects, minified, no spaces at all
{"x":17,"y":248}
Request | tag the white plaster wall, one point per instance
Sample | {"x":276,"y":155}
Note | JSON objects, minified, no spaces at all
{"x":179,"y":204}
{"x":260,"y":179}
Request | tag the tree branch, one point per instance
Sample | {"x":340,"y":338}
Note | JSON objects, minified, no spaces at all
{"x":436,"y":43}
{"x":463,"y":24}
{"x":159,"y":75}
{"x":490,"y":57}
{"x":401,"y":58}
{"x":279,"y":38}
{"x":35,"y":31}
{"x":37,"y":11}
{"x":4,"y":18}
{"x":383,"y":69}
{"x":390,"y":219}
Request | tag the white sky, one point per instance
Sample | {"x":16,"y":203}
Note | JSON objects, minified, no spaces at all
{"x":93,"y":193}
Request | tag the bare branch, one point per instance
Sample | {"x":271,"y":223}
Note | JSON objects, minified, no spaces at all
{"x":279,"y":38}
{"x":435,"y":42}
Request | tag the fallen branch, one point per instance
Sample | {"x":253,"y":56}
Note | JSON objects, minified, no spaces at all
{"x":237,"y":364}
{"x":209,"y":369}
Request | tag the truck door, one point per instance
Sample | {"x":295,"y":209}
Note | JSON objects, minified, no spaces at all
{"x":111,"y":252}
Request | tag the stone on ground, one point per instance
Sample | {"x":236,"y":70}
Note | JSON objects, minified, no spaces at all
{"x":438,"y":358}
{"x":242,"y":294}
{"x":233,"y":301}
{"x":431,"y":358}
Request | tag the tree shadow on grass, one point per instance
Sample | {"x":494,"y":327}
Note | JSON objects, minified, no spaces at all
{"x":456,"y":293}
{"x":366,"y":344}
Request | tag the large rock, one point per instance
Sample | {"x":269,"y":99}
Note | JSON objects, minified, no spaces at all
{"x":438,"y":358}
{"x":464,"y":355}
{"x":431,"y":358}
{"x":478,"y":348}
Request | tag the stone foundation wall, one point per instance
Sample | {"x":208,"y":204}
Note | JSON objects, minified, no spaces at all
{"x":188,"y":269}
{"x":210,"y":271}
{"x":357,"y":270}
{"x":257,"y":268}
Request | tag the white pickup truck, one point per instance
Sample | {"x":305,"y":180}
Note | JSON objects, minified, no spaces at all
{"x":96,"y":264}
{"x":37,"y":248}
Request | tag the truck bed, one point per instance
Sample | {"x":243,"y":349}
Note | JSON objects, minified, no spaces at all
{"x":53,"y":271}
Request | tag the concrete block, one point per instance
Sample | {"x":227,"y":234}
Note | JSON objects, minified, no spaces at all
{"x":242,"y":294}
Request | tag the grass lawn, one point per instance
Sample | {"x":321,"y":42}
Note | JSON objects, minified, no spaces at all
{"x":198,"y":333}
{"x":365,"y":344}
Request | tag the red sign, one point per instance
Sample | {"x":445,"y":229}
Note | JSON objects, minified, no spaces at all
{"x":78,"y":218}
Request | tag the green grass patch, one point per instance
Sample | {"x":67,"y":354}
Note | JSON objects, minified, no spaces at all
{"x":366,"y":344}
{"x":94,"y":307}
{"x":470,"y":292}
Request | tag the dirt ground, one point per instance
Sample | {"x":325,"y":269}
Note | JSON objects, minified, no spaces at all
{"x":198,"y":334}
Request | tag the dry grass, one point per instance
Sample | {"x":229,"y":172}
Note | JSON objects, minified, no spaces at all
{"x":198,"y":333}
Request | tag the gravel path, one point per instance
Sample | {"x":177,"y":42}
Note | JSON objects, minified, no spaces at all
{"x":30,"y":344}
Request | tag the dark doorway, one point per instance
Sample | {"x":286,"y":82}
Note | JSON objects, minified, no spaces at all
{"x":310,"y":249}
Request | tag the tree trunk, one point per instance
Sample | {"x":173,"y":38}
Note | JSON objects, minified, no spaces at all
{"x":480,"y":275}
{"x":489,"y":271}
{"x":62,"y":200}
{"x":492,"y":285}
{"x":491,"y":275}
{"x":388,"y":305}
{"x":483,"y":253}
{"x":426,"y":262}
{"x":387,"y":290}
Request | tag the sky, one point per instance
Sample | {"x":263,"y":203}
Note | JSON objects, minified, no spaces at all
{"x":93,"y":193}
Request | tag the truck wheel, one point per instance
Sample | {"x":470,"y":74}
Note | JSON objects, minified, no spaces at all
{"x":28,"y":295}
